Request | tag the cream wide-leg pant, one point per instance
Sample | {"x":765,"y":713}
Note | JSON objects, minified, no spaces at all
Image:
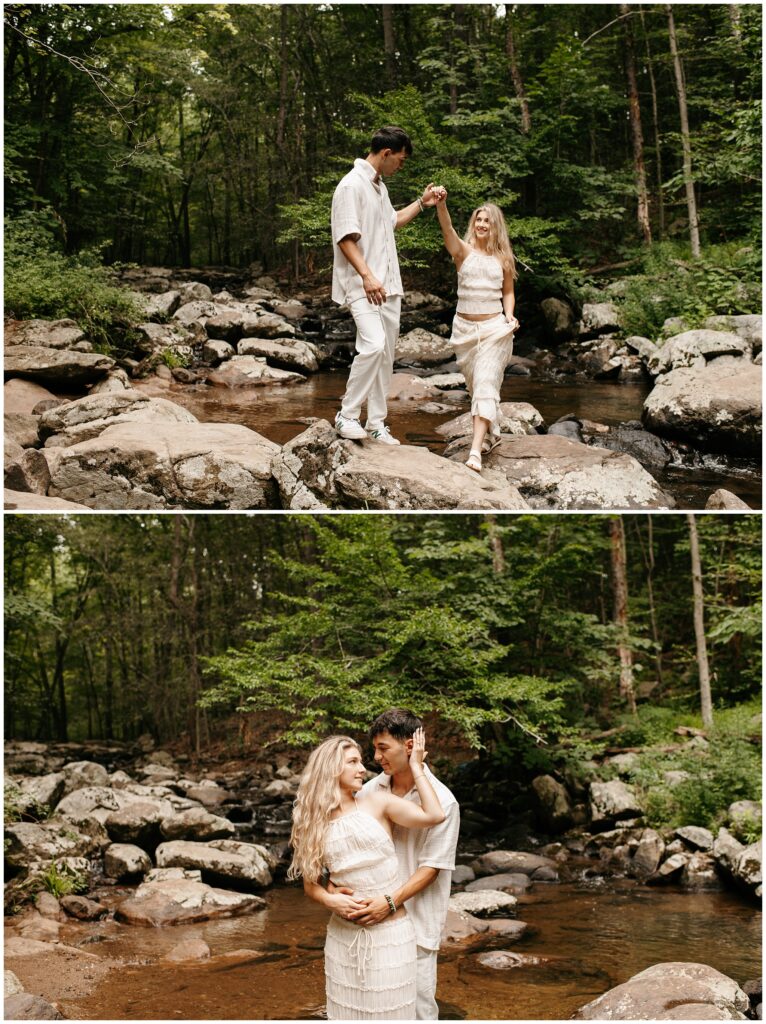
{"x":377,"y":330}
{"x":426,"y":1007}
{"x":483,"y":348}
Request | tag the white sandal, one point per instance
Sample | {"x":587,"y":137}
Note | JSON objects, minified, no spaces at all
{"x":474,"y":460}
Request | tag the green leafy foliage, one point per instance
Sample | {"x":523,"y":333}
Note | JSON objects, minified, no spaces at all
{"x":40,"y":281}
{"x":61,"y":880}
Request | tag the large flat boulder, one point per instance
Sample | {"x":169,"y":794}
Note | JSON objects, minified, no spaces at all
{"x":553,"y":472}
{"x":613,"y":801}
{"x":47,"y":333}
{"x":517,"y":418}
{"x":285,"y":353}
{"x":717,"y":405}
{"x":695,"y":349}
{"x":184,"y":465}
{"x":197,"y":824}
{"x":220,"y":859}
{"x":424,"y":347}
{"x":24,"y":396}
{"x":88,"y":417}
{"x":484,"y":903}
{"x":18,"y":501}
{"x":318,"y":469}
{"x":183,"y":901}
{"x":671,"y":991}
{"x":27,"y":842}
{"x":57,"y":367}
{"x":251,"y":372}
{"x":498,"y":862}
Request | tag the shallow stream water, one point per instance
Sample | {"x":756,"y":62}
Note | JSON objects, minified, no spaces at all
{"x":592,"y":934}
{"x":278,"y":413}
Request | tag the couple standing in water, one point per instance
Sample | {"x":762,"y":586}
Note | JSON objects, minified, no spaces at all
{"x":366,"y":278}
{"x":380,"y":856}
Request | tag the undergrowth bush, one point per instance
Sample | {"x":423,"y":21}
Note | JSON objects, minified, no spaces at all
{"x":40,"y":281}
{"x":726,"y":279}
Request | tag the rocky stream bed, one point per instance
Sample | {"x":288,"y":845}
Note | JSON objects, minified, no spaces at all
{"x":221,"y":353}
{"x":177,"y":906}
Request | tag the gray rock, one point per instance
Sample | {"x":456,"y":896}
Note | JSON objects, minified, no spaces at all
{"x":123,"y":860}
{"x":162,"y":304}
{"x":182,"y":901}
{"x":287,"y":354}
{"x":28,"y":842}
{"x":748,"y":326}
{"x":154,"y":338}
{"x":24,"y":396}
{"x":61,"y":334}
{"x":515,"y":883}
{"x":196,"y":310}
{"x":665,"y":991}
{"x":647,"y":857}
{"x":459,"y":925}
{"x":671,"y":867}
{"x":26,"y":501}
{"x":221,"y":858}
{"x":694,"y":349}
{"x":742,"y":811}
{"x":117,"y":380}
{"x":555,"y":473}
{"x":623,"y":764}
{"x":82,"y":774}
{"x":553,"y":803}
{"x":518,"y":418}
{"x":217,"y":351}
{"x":700,"y":873}
{"x":462,"y":874}
{"x":423,"y":347}
{"x":612,"y":801}
{"x":748,"y":866}
{"x":510,"y":862}
{"x":482,"y":904}
{"x":12,"y":985}
{"x":675,"y":777}
{"x":447,"y":381}
{"x":40,"y":791}
{"x":267,"y":325}
{"x":599,"y":317}
{"x":137,"y":823}
{"x":190,"y":465}
{"x":695,"y":837}
{"x":418,"y":300}
{"x":727,"y":851}
{"x":195,"y":291}
{"x":723,"y":499}
{"x":251,"y":372}
{"x":210,"y":796}
{"x":22,"y":428}
{"x":25,"y":1006}
{"x":190,"y":949}
{"x":645,"y":348}
{"x":281,"y":789}
{"x":319,"y":470}
{"x":506,"y":929}
{"x":83,"y":909}
{"x":57,"y":367}
{"x":197,"y":824}
{"x":714,"y":405}
{"x":48,"y":906}
{"x":88,"y":417}
{"x":560,"y":319}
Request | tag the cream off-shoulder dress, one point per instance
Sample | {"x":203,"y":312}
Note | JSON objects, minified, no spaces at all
{"x":369,"y":972}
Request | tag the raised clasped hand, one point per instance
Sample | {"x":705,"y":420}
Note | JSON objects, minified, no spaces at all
{"x":419,"y":752}
{"x":433,"y":194}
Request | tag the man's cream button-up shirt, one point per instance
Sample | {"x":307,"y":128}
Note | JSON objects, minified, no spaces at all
{"x":361,"y":208}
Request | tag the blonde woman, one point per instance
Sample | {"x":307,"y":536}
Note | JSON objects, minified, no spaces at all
{"x":484,"y":324}
{"x":369,"y":972}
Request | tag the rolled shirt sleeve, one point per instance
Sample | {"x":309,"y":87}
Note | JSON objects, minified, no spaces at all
{"x":346,"y":214}
{"x":438,"y":850}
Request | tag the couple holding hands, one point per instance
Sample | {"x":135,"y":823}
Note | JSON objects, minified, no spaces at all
{"x":366,"y":278}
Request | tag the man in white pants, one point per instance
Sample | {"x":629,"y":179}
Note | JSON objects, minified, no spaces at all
{"x":366,"y":278}
{"x":426,"y":856}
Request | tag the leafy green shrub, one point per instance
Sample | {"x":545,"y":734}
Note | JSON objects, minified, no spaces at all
{"x":62,"y":880}
{"x":724,"y":280}
{"x":11,"y":803}
{"x":747,"y":828}
{"x":40,"y":281}
{"x":172,"y":359}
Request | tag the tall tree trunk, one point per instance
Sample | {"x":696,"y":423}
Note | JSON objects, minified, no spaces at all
{"x":620,"y":592}
{"x":691,"y":201}
{"x":518,"y":81}
{"x":649,"y":563}
{"x":703,"y":668}
{"x":735,"y":16}
{"x":637,"y":135}
{"x":389,"y":44}
{"x":496,"y":544}
{"x":656,"y":133}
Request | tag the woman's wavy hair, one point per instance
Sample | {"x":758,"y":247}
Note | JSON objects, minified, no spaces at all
{"x":318,"y":796}
{"x":499,"y":243}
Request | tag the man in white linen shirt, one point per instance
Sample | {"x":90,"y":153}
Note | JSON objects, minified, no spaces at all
{"x":366,"y":278}
{"x":426,"y":856}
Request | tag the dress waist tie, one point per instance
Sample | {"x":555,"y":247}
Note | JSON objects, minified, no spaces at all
{"x":361,"y":950}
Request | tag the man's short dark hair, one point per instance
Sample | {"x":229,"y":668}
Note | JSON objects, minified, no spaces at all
{"x":395,"y":139}
{"x":399,"y":722}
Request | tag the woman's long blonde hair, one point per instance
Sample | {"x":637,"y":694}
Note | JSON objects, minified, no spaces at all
{"x":318,"y":796}
{"x":499,"y":244}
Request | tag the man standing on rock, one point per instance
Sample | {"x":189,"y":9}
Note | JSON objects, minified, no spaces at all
{"x":366,"y":278}
{"x":426,"y":856}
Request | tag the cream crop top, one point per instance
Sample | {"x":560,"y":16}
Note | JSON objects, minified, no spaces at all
{"x":480,"y":284}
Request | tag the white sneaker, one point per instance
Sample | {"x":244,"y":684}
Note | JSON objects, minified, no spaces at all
{"x":382,"y":435}
{"x":350,"y":429}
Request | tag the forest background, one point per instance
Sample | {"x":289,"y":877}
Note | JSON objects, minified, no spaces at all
{"x":620,"y":140}
{"x":530,"y":643}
